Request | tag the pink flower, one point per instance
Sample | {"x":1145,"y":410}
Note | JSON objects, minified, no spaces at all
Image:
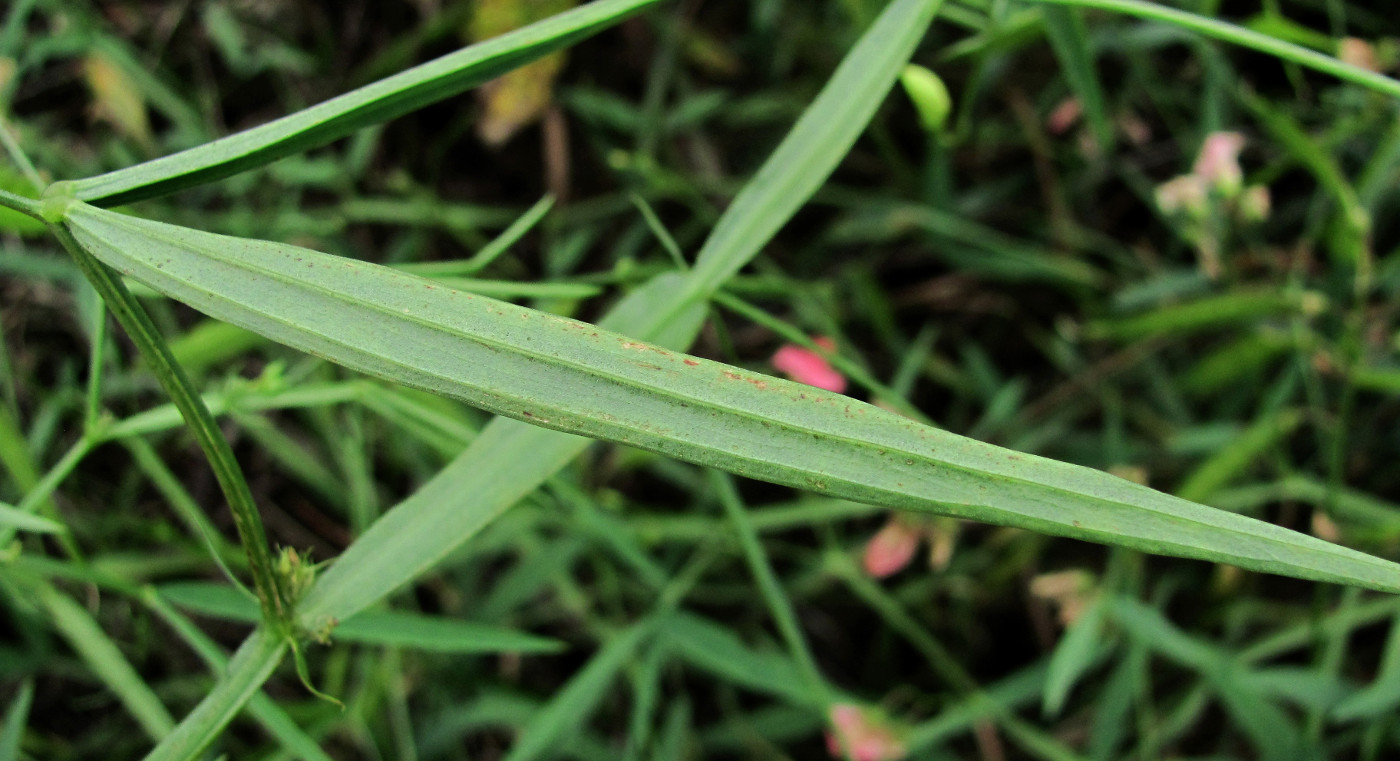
{"x":1358,"y":52}
{"x":1064,"y":116}
{"x":891,"y":549}
{"x":1219,"y":162}
{"x":863,"y":734}
{"x":806,"y":366}
{"x":1185,"y":194}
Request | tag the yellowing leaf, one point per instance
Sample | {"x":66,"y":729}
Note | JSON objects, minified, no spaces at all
{"x":116,"y":98}
{"x":520,"y":97}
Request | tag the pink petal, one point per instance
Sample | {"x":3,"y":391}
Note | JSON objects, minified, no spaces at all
{"x":806,"y":366}
{"x":1219,"y":162}
{"x":1064,"y":116}
{"x":891,"y":549}
{"x":863,"y":735}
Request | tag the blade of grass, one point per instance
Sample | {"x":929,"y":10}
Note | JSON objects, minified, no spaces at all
{"x":779,"y":607}
{"x":1222,"y":30}
{"x":380,"y":101}
{"x":712,"y":647}
{"x":1350,"y":241}
{"x":16,"y":717}
{"x":577,"y":700}
{"x":1205,"y":313}
{"x":491,"y":251}
{"x":1064,"y":26}
{"x":1238,"y":455}
{"x":106,"y":661}
{"x":254,"y":662}
{"x":18,"y":520}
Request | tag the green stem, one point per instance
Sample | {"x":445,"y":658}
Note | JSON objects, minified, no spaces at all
{"x":1227,"y":32}
{"x":277,"y":611}
{"x":772,"y":590}
{"x":93,"y":420}
{"x":20,"y":204}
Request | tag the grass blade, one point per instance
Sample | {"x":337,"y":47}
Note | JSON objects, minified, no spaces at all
{"x":13,"y":518}
{"x":16,"y":716}
{"x":254,"y":662}
{"x":575,"y":377}
{"x":380,"y":101}
{"x":106,"y":661}
{"x":573,"y":704}
{"x":1070,"y":38}
{"x":716,"y":649}
{"x":1227,"y":32}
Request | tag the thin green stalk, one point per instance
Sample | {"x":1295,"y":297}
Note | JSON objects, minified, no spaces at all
{"x":778,"y":604}
{"x":658,"y":229}
{"x":16,"y":716}
{"x":18,"y":156}
{"x":20,"y":203}
{"x":491,"y":251}
{"x":93,"y":418}
{"x":184,"y":505}
{"x":128,"y":311}
{"x":38,"y":496}
{"x":1228,"y":32}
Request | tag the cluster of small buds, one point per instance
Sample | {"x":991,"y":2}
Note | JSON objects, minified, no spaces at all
{"x":893,"y":547}
{"x":1209,"y":201}
{"x":864,"y":733}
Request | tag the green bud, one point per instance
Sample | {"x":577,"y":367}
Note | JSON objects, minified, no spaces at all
{"x":929,"y":95}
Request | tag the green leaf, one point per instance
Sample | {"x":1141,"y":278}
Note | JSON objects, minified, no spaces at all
{"x":573,"y":704}
{"x":254,"y":662}
{"x":714,"y":648}
{"x":105,"y":659}
{"x":1070,"y":39}
{"x":571,"y":376}
{"x":432,"y":633}
{"x":378,"y":102}
{"x":13,"y":517}
{"x":1073,"y":656}
{"x":16,"y":716}
{"x":1222,"y":30}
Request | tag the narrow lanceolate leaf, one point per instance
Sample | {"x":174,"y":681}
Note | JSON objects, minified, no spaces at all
{"x":576,"y":377}
{"x":374,"y":103}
